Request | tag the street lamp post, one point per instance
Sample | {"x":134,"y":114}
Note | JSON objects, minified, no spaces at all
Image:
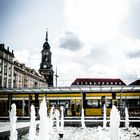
{"x":121,"y":102}
{"x":56,"y":76}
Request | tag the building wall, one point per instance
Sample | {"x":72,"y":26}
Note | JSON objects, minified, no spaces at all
{"x":6,"y":67}
{"x":14,"y":74}
{"x":25,"y":77}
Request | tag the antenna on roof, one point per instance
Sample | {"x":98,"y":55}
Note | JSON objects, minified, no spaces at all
{"x":56,"y":76}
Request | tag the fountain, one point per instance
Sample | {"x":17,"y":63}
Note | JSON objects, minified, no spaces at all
{"x":114,"y":122}
{"x":13,"y":119}
{"x":126,"y":118}
{"x":32,"y":129}
{"x":99,"y":133}
{"x":44,"y":127}
{"x":57,"y":115}
{"x":82,"y":119}
{"x":60,"y":131}
{"x":62,"y":117}
{"x":104,"y":117}
{"x":74,"y":133}
{"x":52,"y":118}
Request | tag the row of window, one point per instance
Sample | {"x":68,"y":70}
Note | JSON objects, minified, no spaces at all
{"x":98,"y":83}
{"x":98,"y":103}
{"x":5,"y":56}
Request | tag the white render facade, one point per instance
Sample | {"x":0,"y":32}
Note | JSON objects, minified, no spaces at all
{"x":16,"y":75}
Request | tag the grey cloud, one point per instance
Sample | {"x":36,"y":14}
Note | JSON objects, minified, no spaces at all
{"x":134,"y":54}
{"x":98,"y":54}
{"x":70,"y":41}
{"x":131,"y":24}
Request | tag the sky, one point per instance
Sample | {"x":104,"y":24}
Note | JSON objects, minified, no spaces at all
{"x":88,"y":38}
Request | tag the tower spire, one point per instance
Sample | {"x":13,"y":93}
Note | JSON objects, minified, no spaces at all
{"x":47,"y":35}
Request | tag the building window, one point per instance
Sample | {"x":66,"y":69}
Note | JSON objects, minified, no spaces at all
{"x":5,"y":82}
{"x":107,"y":83}
{"x":5,"y":71}
{"x":3,"y":55}
{"x":111,"y":83}
{"x":6,"y":56}
{"x":0,"y":69}
{"x":5,"y":64}
{"x":0,"y":61}
{"x":10,"y":71}
{"x":0,"y":81}
{"x":120,"y":83}
{"x":9,"y":83}
{"x":90,"y":83}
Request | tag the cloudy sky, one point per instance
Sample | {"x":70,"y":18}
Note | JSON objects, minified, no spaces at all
{"x":88,"y":38}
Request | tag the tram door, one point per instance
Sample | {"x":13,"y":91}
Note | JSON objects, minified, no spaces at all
{"x":3,"y":108}
{"x":75,"y":106}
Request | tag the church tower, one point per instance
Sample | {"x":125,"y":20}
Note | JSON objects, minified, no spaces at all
{"x":45,"y":66}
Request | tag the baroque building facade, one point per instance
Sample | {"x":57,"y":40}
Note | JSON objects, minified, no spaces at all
{"x":6,"y":67}
{"x":14,"y":74}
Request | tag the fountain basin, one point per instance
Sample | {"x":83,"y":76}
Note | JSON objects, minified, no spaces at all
{"x":93,"y":133}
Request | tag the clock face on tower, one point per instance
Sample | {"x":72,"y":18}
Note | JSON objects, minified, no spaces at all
{"x":44,"y":66}
{"x":46,"y":59}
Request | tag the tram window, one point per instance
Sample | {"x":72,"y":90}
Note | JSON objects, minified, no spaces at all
{"x":109,"y":103}
{"x":93,"y":104}
{"x":53,"y":103}
{"x":78,"y":107}
{"x":18,"y":104}
{"x":3,"y":109}
{"x":58,"y":103}
{"x":133,"y":102}
{"x":64,"y":102}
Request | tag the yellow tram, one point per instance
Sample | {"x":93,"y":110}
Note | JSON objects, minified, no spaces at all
{"x":73,"y":99}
